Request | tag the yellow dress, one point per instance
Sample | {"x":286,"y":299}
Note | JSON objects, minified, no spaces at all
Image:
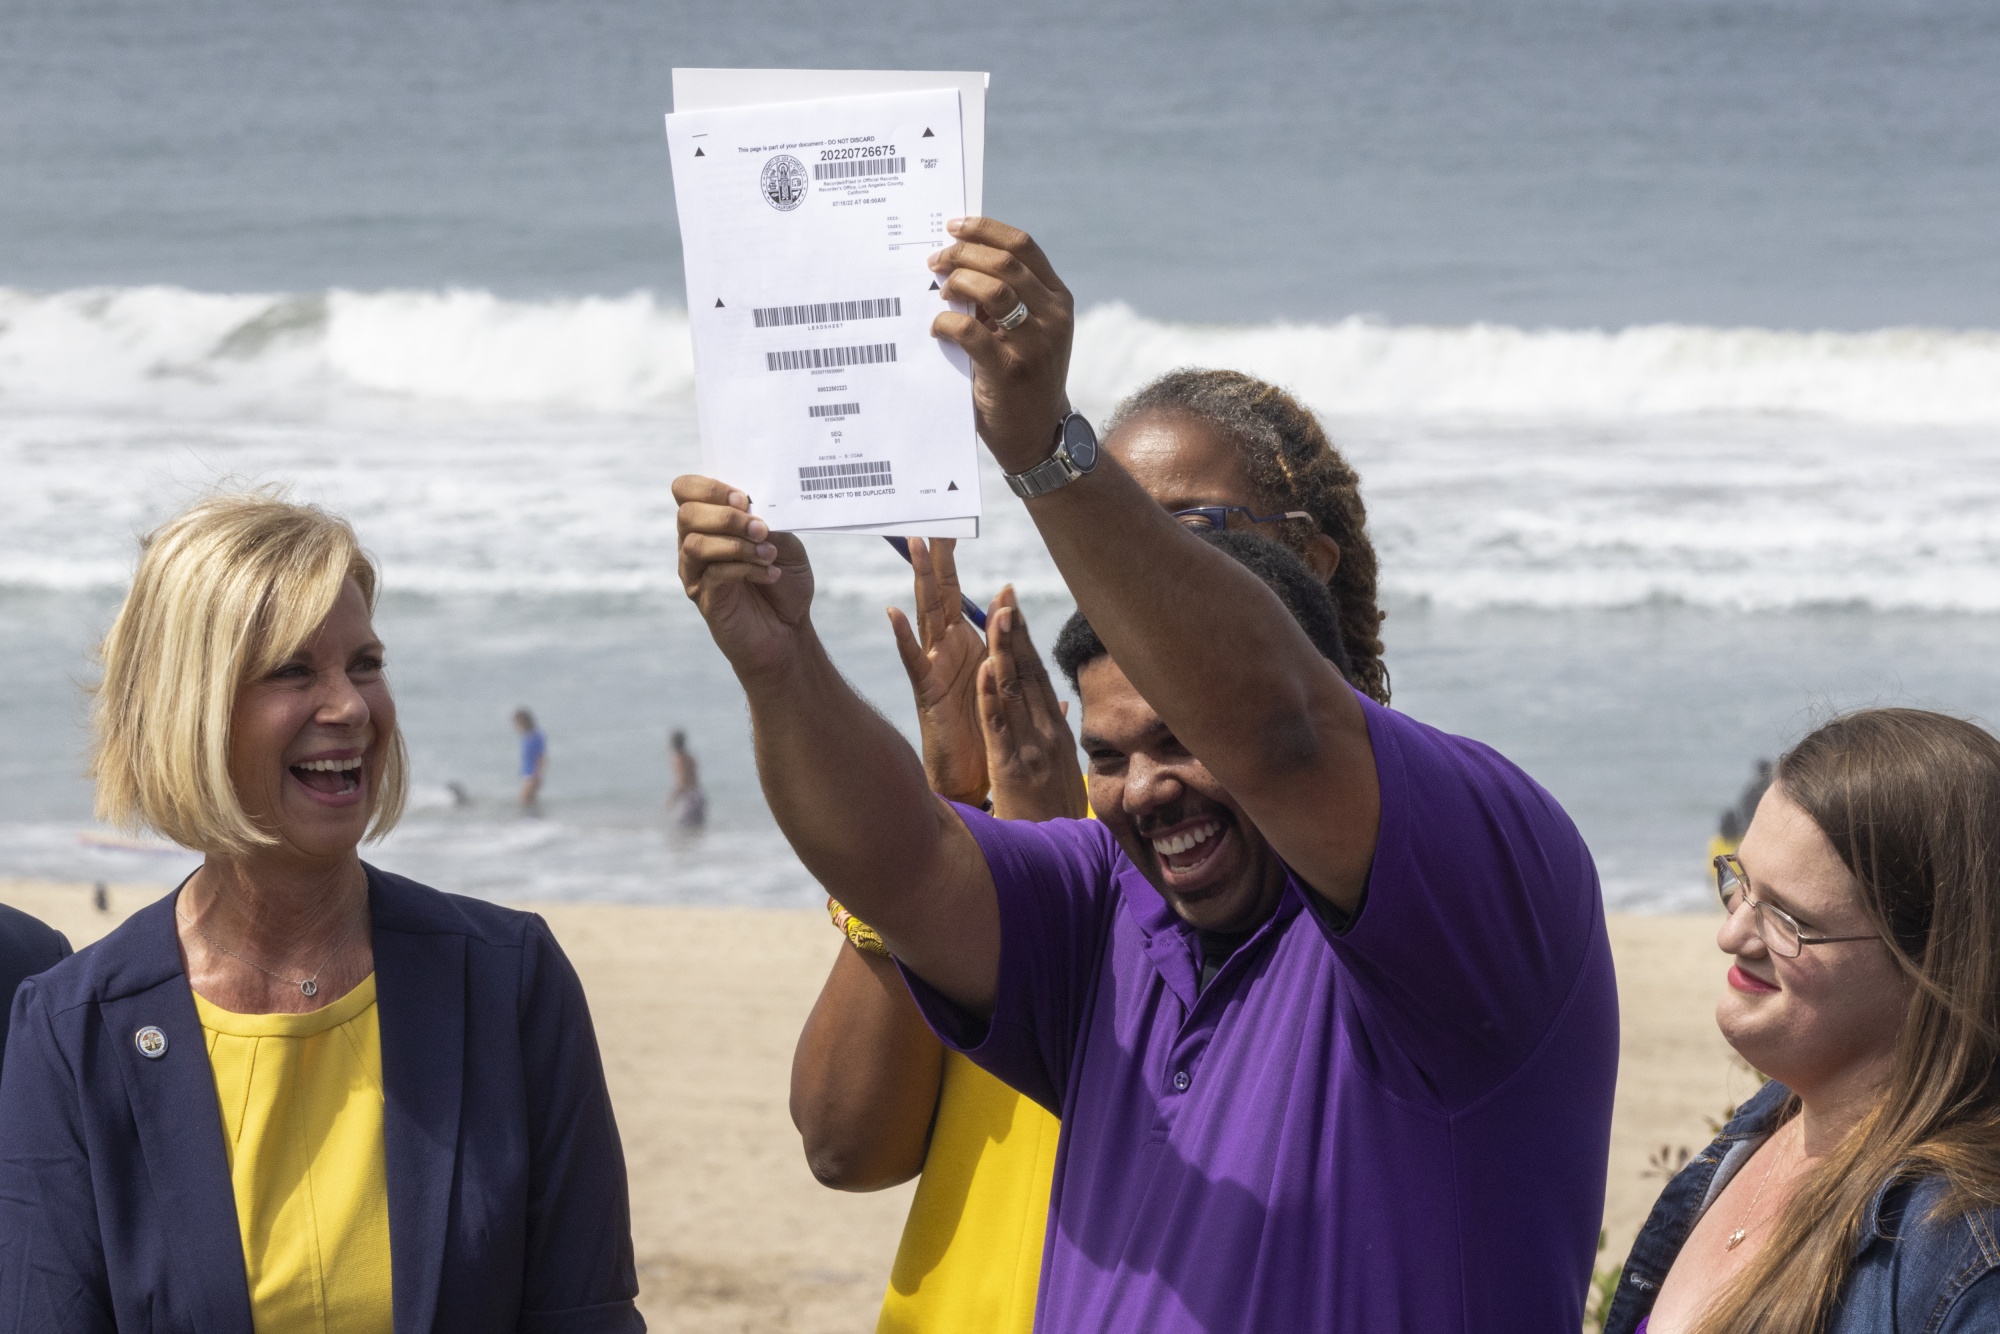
{"x":971,"y":1254}
{"x":301,"y":1098}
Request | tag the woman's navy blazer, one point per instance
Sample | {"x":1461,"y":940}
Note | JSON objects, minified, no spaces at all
{"x":507,"y":1200}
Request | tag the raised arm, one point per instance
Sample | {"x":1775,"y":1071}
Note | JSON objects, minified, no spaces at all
{"x":1201,"y":638}
{"x":846,"y":789}
{"x":867,"y":1071}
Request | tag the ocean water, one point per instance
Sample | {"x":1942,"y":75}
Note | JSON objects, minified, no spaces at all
{"x":1663,"y":335}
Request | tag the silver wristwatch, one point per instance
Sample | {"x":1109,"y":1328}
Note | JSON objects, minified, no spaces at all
{"x":1076,"y":454}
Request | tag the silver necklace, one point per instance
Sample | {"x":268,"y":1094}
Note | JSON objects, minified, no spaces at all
{"x":308,"y":986}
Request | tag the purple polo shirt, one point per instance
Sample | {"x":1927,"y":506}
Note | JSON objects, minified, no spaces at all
{"x":1399,"y":1126}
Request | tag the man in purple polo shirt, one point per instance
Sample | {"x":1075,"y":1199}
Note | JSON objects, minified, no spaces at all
{"x":1325,"y":1001}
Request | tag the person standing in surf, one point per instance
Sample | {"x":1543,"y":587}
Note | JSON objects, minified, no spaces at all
{"x":534,"y":759}
{"x":687,"y":805}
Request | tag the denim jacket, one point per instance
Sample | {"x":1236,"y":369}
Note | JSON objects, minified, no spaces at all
{"x":1910,"y":1275}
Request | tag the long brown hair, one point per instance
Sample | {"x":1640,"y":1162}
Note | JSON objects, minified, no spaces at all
{"x":1291,"y":464}
{"x":1911,"y":802}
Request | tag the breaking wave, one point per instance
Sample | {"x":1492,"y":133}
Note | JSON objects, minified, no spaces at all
{"x":165,"y":348}
{"x":488,"y":446}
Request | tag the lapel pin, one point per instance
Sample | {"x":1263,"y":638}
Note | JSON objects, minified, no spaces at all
{"x":151,"y":1042}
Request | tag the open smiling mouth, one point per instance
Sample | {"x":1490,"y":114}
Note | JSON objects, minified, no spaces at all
{"x":333,"y":777}
{"x":1190,"y":848}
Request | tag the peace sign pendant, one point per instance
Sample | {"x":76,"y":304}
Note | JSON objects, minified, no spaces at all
{"x":311,"y":988}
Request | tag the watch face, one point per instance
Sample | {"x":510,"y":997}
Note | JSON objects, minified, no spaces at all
{"x":1079,"y":442}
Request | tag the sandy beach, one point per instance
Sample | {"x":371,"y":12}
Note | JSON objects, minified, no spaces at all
{"x":697,"y":1010}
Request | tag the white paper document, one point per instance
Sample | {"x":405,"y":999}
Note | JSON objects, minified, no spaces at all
{"x":712,"y":89}
{"x":805,"y":227}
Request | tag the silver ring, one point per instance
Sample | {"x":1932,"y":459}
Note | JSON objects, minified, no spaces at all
{"x":1015,"y":318}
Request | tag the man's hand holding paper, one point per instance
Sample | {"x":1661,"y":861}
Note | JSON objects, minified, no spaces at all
{"x":1019,"y":389}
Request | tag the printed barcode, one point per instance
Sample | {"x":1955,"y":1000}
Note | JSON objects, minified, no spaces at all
{"x":840,"y":171}
{"x":844,"y":476}
{"x":833,"y":409}
{"x":826,"y":312}
{"x":821,"y":358}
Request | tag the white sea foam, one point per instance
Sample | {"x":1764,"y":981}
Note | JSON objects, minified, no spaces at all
{"x":1360,"y":367}
{"x":1725,"y":511}
{"x":170,"y":349}
{"x":487,"y":446}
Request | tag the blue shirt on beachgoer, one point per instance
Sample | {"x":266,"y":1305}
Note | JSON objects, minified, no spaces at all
{"x":533,"y":746}
{"x":1393,"y":1121}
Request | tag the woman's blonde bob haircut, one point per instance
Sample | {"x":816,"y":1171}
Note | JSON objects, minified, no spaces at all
{"x":224,"y":594}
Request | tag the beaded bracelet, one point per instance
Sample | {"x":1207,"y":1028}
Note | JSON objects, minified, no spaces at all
{"x":859,"y":934}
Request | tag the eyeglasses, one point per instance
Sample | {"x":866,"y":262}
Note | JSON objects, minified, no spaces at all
{"x":1208,"y":518}
{"x":1774,"y":926}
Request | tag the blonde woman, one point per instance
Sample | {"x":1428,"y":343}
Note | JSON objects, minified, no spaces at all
{"x":1860,"y":1189}
{"x":298,"y":1093}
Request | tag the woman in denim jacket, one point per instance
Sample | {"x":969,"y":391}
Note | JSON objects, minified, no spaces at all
{"x":1860,"y":1189}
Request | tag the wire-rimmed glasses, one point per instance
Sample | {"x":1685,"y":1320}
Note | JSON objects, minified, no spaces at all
{"x":1208,"y":518}
{"x":1774,"y":926}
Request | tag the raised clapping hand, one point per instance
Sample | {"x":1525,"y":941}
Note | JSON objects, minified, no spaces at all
{"x":987,"y":712}
{"x":1018,"y":392}
{"x":1030,"y":751}
{"x":753,"y":586}
{"x":942,"y":657}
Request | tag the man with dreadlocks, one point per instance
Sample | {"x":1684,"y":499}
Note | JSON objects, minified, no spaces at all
{"x":876,"y":1097}
{"x":1323,"y":997}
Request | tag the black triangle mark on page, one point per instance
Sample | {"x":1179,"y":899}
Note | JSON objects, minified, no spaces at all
{"x":927,"y":134}
{"x":699,"y":153}
{"x":934,"y":286}
{"x":952,"y":487}
{"x":718,"y":303}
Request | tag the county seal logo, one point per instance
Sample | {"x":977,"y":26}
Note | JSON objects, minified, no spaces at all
{"x":784,"y":182}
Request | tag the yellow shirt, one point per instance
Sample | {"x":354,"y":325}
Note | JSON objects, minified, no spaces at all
{"x":971,"y":1255}
{"x":301,"y":1099}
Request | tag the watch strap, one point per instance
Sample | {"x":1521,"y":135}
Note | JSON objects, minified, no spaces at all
{"x":1055,"y":471}
{"x":1051,"y":473}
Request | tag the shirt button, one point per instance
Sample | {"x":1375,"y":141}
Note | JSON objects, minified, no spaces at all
{"x":1181,"y":1081}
